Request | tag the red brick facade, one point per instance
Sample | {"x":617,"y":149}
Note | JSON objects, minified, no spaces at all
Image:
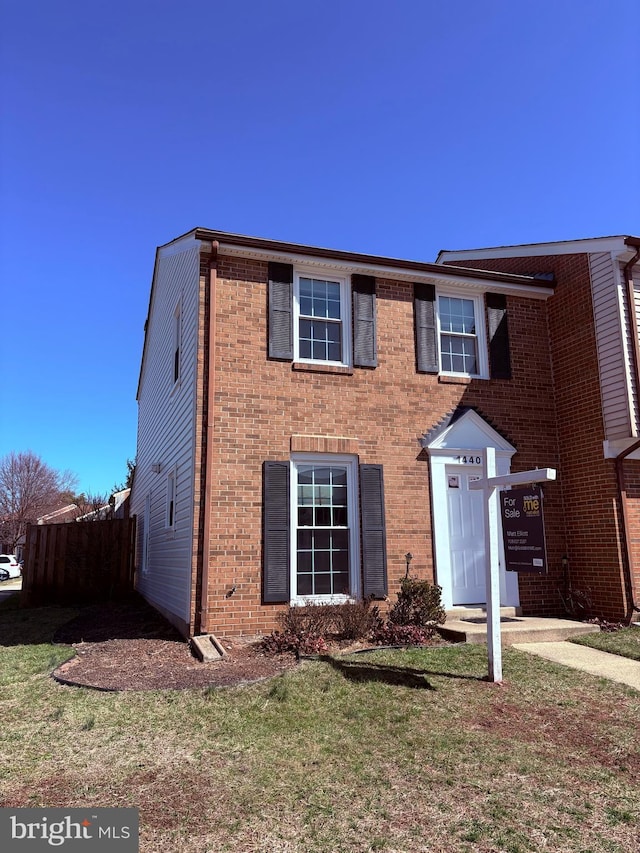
{"x":265,"y":409}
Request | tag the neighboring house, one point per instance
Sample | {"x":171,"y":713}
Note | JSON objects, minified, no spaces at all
{"x":117,"y":507}
{"x":308,"y":417}
{"x":119,"y":503}
{"x":595,"y":357}
{"x":64,"y":513}
{"x":69,"y":512}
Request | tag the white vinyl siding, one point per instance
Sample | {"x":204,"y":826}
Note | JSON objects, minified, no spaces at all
{"x":612,"y":346}
{"x":166,"y":429}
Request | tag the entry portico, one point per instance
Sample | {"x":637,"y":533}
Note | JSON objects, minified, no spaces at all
{"x":456,"y":451}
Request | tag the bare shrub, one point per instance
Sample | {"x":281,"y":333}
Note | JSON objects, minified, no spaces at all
{"x":355,"y":620}
{"x":310,"y":620}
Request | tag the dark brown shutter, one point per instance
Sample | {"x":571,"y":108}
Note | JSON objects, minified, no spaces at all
{"x":424,"y":313}
{"x":365,"y":352}
{"x":499,"y":354}
{"x":276,"y":543}
{"x":281,"y":311}
{"x":374,"y":537}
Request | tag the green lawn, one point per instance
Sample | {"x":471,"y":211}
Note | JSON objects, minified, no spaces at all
{"x":625,"y":642}
{"x":395,"y":751}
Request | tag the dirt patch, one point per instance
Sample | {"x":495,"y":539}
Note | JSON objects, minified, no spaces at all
{"x":129,"y":646}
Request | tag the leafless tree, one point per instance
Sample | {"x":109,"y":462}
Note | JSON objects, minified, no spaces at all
{"x":29,"y":488}
{"x":92,"y":507}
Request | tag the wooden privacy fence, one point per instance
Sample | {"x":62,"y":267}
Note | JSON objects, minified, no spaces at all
{"x":78,"y":562}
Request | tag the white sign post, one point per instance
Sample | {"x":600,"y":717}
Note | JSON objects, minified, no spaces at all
{"x":491,"y":484}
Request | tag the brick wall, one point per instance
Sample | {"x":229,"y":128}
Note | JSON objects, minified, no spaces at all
{"x":263,"y":408}
{"x":587,"y":481}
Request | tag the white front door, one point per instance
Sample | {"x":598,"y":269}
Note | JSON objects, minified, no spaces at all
{"x":466,"y":513}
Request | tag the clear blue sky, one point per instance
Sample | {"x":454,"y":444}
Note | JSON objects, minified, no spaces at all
{"x":395,"y":128}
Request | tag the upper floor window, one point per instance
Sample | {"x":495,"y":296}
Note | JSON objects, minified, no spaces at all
{"x":458,"y":320}
{"x":321,"y":319}
{"x":451,"y":333}
{"x":318,"y":318}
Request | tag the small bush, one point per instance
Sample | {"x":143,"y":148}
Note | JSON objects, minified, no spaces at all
{"x":285,"y":642}
{"x":419,"y":603}
{"x":391,"y":634}
{"x":355,"y":620}
{"x":307,"y":629}
{"x":309,"y":620}
{"x":304,"y":630}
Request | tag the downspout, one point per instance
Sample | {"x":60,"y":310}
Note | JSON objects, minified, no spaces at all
{"x":207,"y":436}
{"x":619,"y":460}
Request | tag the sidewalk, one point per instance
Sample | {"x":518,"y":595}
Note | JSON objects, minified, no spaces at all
{"x":593,"y":661}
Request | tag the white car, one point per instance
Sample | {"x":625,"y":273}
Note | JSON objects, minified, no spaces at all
{"x":9,"y":567}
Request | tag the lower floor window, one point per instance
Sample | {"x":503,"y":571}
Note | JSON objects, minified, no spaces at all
{"x":324,"y":523}
{"x":323,"y":529}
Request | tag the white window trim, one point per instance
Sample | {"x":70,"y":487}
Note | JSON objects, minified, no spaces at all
{"x":353,"y":499}
{"x":482,"y":355}
{"x":172,"y":492}
{"x":345,"y":311}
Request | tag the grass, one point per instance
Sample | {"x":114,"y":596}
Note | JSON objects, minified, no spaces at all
{"x":401,"y":752}
{"x":625,"y":642}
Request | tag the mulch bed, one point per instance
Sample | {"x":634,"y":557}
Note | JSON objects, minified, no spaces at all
{"x":129,"y":646}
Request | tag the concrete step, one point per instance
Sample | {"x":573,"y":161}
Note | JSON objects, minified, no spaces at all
{"x":471,"y":611}
{"x":472,"y":627}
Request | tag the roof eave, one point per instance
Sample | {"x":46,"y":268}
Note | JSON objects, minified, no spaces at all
{"x":362,"y":261}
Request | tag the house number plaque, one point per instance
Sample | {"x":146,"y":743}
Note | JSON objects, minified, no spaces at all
{"x":470,"y":459}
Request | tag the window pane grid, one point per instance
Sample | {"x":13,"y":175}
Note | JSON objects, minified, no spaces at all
{"x":458,"y":354}
{"x":458,"y":335}
{"x":457,"y":315}
{"x":320,"y":320}
{"x":323,"y":534}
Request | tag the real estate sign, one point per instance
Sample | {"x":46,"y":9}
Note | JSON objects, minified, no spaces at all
{"x":523,"y":528}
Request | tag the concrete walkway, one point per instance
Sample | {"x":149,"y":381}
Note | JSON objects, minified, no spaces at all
{"x":593,"y":661}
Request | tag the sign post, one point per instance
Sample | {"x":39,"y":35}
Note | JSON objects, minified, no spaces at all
{"x":490,"y":485}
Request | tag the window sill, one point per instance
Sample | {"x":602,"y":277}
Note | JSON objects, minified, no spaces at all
{"x":311,"y":600}
{"x":446,"y":379}
{"x":311,"y":367}
{"x":454,"y":380}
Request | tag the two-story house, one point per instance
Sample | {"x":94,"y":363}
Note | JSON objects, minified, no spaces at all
{"x":308,"y":417}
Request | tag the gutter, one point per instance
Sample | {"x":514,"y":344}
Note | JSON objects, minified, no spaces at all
{"x":629,"y":565}
{"x":202,"y":615}
{"x":369,"y":262}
